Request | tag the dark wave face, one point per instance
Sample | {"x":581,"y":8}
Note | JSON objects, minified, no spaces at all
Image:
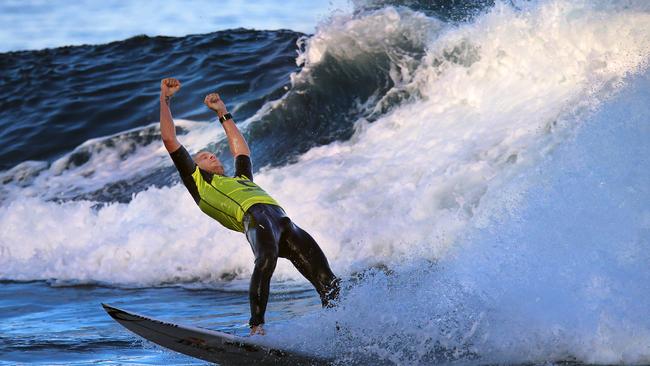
{"x":55,"y":99}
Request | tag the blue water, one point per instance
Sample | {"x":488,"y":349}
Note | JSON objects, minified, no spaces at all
{"x":36,"y":24}
{"x":477,"y":173}
{"x":106,"y":89}
{"x":47,"y":325}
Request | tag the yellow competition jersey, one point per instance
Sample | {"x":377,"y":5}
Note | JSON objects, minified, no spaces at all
{"x":226,"y":199}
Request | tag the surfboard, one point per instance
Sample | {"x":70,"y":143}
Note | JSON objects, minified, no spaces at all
{"x":206,"y":344}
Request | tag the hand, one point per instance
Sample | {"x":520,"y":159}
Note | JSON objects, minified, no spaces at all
{"x":215,"y":103}
{"x":257,"y":329}
{"x":169,"y":87}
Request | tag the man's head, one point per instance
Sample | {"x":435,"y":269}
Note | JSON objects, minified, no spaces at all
{"x":209,"y":162}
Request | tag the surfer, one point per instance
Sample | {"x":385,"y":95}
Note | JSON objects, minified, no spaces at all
{"x":241,"y":205}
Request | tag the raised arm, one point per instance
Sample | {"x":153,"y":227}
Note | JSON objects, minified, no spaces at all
{"x":168,"y":87}
{"x":236,"y":141}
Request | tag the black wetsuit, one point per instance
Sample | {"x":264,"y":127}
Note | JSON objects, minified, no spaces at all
{"x":271,"y":234}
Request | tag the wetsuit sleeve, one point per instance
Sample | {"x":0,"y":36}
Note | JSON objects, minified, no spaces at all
{"x":244,"y":166}
{"x":186,"y":166}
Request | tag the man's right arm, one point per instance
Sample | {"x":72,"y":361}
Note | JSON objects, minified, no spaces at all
{"x":186,"y":166}
{"x":168,"y":87}
{"x":181,"y":158}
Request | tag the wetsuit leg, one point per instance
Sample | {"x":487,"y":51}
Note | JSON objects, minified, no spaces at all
{"x":263,"y":234}
{"x":271,"y":234}
{"x":305,"y":254}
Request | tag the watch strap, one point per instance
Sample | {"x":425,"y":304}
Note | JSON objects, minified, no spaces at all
{"x":225,"y":117}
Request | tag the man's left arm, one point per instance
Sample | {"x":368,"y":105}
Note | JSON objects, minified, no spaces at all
{"x":238,"y":146}
{"x":236,"y":141}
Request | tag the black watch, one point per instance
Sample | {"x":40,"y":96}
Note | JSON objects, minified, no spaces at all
{"x":225,"y":117}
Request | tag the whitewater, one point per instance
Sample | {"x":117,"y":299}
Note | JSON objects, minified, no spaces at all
{"x":491,"y":206}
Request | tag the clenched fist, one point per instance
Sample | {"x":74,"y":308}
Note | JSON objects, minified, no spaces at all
{"x":215,"y":103}
{"x":169,"y":86}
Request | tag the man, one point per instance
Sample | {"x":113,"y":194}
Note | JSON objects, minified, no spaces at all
{"x":241,"y":205}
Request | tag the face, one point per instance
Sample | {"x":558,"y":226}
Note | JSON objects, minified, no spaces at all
{"x":209,"y":162}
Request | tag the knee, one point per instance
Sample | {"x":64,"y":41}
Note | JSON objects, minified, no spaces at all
{"x":266,"y":260}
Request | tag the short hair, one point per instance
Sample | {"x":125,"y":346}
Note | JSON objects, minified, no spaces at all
{"x":200,"y":151}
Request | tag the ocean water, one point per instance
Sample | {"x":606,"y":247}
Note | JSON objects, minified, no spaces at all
{"x":478,"y":174}
{"x":38,"y":24}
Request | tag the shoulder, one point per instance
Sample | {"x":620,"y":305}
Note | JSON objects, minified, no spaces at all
{"x":243,"y":166}
{"x":183,"y":161}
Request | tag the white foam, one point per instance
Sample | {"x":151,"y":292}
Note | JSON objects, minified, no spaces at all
{"x":563,"y":276}
{"x":407,"y":184}
{"x":550,"y":264}
{"x":110,"y":159}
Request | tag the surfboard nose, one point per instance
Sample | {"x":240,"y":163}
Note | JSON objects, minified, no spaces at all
{"x":112,"y":311}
